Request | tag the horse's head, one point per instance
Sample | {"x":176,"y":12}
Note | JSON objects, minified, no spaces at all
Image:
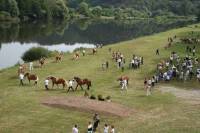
{"x":26,"y":74}
{"x":76,"y":78}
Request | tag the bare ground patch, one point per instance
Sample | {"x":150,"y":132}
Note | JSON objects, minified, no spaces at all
{"x":190,"y":96}
{"x":86,"y":105}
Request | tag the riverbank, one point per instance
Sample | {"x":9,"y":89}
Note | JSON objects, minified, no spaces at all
{"x":22,"y":111}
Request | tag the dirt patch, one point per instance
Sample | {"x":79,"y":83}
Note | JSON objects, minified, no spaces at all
{"x":190,"y":96}
{"x":86,"y":105}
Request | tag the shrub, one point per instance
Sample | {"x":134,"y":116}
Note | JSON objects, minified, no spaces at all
{"x":35,"y":53}
{"x":100,"y":98}
{"x":92,"y":97}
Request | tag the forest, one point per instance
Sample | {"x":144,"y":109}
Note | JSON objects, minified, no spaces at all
{"x":117,"y":9}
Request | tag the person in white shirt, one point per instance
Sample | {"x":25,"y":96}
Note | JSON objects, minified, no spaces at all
{"x":149,"y":82}
{"x":112,"y":129}
{"x":119,"y":62}
{"x":106,"y":128}
{"x":83,"y":52}
{"x":75,"y":129}
{"x":21,"y":78}
{"x":31,"y":66}
{"x":124,"y":84}
{"x":46,"y":83}
{"x":70,"y":85}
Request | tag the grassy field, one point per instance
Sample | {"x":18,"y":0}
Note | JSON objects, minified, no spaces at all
{"x":21,"y":110}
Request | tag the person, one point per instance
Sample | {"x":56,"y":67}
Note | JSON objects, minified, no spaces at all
{"x":21,"y":78}
{"x":124,"y":84}
{"x":83,"y":52}
{"x":70,"y":85}
{"x":145,"y":83}
{"x":119,"y":61}
{"x":31,"y":66}
{"x":96,"y":121}
{"x":109,"y":50}
{"x":107,"y":64}
{"x":193,"y":52}
{"x":157,"y":52}
{"x":89,"y":127}
{"x":75,"y":129}
{"x":106,"y":128}
{"x":149,"y":88}
{"x":112,"y":129}
{"x":46,"y":83}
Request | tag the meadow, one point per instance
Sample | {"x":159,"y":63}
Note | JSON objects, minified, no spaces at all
{"x":21,"y":110}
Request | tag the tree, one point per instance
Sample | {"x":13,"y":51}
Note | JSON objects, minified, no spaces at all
{"x":84,"y":9}
{"x":96,"y":11}
{"x":9,"y":6}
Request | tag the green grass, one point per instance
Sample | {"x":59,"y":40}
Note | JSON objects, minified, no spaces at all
{"x":21,"y":110}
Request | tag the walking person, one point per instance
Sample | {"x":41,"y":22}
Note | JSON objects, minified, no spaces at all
{"x":96,"y":121}
{"x":70,"y":85}
{"x":83,"y":52}
{"x":75,"y":129}
{"x":106,"y":129}
{"x":89,"y":130}
{"x":145,"y":83}
{"x":112,"y":129}
{"x":107,"y":64}
{"x":46,"y":83}
{"x":193,"y":52}
{"x":31,"y":66}
{"x":21,"y":78}
{"x":157,"y":52}
{"x":124,"y":84}
{"x":149,"y":87}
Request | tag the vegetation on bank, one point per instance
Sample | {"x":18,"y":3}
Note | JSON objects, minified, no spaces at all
{"x":63,"y":9}
{"x":22,"y":111}
{"x":36,"y":53}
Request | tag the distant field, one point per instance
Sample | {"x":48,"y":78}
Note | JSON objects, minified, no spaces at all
{"x":21,"y":110}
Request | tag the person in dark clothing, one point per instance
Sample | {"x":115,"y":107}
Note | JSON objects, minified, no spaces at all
{"x":96,"y":121}
{"x":157,"y":52}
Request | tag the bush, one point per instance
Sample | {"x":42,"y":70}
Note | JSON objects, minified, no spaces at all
{"x":35,"y":54}
{"x":100,"y":98}
{"x":92,"y":97}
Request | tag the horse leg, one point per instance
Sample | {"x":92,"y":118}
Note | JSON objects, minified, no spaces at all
{"x":81,"y":87}
{"x":76,"y":87}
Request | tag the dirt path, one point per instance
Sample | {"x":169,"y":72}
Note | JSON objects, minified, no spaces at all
{"x":86,"y":105}
{"x":190,"y":96}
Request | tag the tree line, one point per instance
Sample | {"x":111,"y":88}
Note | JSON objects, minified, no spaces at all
{"x":118,"y":9}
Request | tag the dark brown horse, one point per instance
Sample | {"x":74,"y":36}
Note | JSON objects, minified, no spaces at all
{"x":31,"y":77}
{"x":57,"y":81}
{"x":81,"y":82}
{"x":42,"y":61}
{"x":123,"y":78}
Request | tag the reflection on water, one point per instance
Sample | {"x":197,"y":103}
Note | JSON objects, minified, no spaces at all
{"x":15,"y":39}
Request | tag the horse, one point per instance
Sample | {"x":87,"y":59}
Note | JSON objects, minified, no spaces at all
{"x":94,"y":51}
{"x":81,"y":82}
{"x":57,"y":81}
{"x":31,"y":77}
{"x":42,"y":61}
{"x":59,"y":57}
{"x":123,"y":78}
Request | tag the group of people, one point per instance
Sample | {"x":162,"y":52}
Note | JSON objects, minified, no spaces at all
{"x":92,"y":126}
{"x":136,"y":62}
{"x":179,"y":68}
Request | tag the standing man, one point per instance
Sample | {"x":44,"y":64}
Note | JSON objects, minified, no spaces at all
{"x":193,"y":51}
{"x":31,"y":66}
{"x":75,"y":129}
{"x":157,"y":52}
{"x":96,"y":121}
{"x":149,"y":87}
{"x":46,"y":83}
{"x":70,"y":85}
{"x":21,"y":78}
{"x":83,"y":52}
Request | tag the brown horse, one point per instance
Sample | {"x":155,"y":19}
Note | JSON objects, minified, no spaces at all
{"x":57,"y":81}
{"x":81,"y":82}
{"x":31,"y":77}
{"x":123,"y":78}
{"x":94,"y":51}
{"x":42,"y":61}
{"x":59,"y":57}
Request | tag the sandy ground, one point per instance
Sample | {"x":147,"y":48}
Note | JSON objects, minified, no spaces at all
{"x":86,"y":105}
{"x":189,"y":96}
